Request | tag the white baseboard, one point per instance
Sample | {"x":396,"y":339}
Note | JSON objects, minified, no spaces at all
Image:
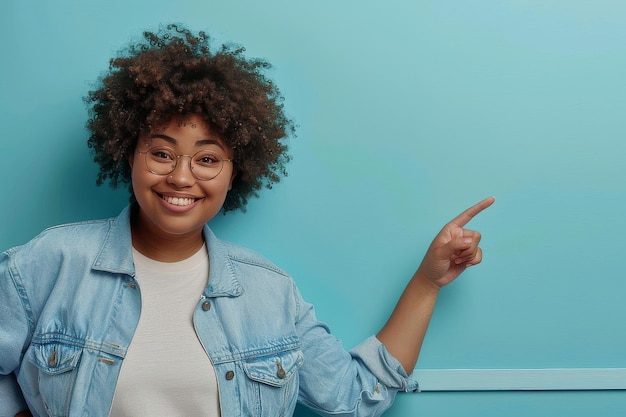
{"x":565,"y":379}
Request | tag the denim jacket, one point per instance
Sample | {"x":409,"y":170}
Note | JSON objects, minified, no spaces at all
{"x":69,"y":305}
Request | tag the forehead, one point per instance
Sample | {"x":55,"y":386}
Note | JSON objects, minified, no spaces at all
{"x":187,"y":132}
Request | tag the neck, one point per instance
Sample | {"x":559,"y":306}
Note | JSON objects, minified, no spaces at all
{"x":160,"y":246}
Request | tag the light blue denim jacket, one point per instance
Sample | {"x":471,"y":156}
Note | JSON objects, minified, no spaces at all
{"x":69,"y":305}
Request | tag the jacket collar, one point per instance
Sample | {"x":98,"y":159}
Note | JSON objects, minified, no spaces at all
{"x":222,"y":278}
{"x":116,"y":256}
{"x":116,"y":253}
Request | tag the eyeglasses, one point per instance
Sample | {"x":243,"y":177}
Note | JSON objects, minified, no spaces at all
{"x":204,"y":165}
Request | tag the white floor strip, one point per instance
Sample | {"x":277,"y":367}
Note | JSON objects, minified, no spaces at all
{"x":566,"y":379}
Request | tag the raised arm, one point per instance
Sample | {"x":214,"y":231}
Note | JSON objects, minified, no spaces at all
{"x":451,"y":252}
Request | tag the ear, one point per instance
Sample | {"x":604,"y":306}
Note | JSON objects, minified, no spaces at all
{"x":131,"y":159}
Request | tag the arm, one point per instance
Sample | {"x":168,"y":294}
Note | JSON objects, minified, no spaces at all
{"x":13,"y":331}
{"x":451,"y":252}
{"x":11,"y":399}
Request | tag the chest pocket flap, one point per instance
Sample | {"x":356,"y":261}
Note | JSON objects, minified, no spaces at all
{"x":55,"y":358}
{"x":275,"y":369}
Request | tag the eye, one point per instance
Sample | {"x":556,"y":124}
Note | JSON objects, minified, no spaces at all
{"x":162,"y":154}
{"x":207,"y":159}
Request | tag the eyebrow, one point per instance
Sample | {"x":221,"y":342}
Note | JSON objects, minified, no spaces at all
{"x":174,"y":141}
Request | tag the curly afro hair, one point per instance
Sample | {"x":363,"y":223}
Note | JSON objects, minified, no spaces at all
{"x":172,"y":73}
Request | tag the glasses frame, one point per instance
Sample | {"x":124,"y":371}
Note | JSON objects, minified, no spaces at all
{"x":178,"y":156}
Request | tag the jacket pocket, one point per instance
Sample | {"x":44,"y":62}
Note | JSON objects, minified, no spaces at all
{"x":57,"y":366}
{"x":274,"y":382}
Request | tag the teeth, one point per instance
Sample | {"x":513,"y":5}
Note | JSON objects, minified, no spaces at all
{"x":178,"y":201}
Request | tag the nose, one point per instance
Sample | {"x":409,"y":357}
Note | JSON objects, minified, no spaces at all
{"x":182,"y":175}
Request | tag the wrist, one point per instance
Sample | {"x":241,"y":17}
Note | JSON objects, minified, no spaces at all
{"x":424,"y":283}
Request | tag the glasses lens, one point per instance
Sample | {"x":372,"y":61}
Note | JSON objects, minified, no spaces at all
{"x":206,"y":165}
{"x":161,"y":160}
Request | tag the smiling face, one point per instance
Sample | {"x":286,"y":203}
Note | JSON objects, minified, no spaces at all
{"x":174,"y":207}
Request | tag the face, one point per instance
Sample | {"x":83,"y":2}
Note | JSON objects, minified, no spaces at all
{"x":177,"y":205}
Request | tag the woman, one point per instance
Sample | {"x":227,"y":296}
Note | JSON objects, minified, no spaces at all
{"x":149,"y":313}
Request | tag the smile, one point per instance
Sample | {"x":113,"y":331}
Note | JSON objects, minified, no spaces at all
{"x":179,"y":201}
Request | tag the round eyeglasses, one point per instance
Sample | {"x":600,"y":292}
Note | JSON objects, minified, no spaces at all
{"x":204,"y":165}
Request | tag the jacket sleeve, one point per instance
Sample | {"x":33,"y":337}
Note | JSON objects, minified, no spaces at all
{"x":335,"y":382}
{"x":14,"y":330}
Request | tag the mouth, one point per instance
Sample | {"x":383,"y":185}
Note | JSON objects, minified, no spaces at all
{"x":178,"y":201}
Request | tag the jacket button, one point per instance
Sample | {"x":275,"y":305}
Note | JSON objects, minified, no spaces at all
{"x":52,"y":360}
{"x":280,"y":373}
{"x":230,"y":375}
{"x":206,"y":306}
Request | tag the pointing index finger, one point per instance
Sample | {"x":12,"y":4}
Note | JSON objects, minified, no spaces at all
{"x":464,"y":218}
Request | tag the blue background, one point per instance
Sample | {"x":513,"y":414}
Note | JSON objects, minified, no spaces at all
{"x":408,"y":112}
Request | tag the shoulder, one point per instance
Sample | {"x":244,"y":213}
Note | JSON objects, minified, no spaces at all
{"x":77,"y":228}
{"x":73,"y":234}
{"x":237,"y":254}
{"x":243,"y":255}
{"x":246,"y":266}
{"x":63,"y":253}
{"x":71,"y":238}
{"x":253,"y":278}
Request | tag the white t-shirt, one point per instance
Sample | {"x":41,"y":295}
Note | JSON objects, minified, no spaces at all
{"x":166,"y":371}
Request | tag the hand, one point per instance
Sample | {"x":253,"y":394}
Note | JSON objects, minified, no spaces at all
{"x":24,"y":413}
{"x":453,"y":249}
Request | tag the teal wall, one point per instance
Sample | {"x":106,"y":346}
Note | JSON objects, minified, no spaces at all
{"x":408,"y":112}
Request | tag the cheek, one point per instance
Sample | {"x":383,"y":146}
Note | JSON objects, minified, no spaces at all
{"x":140,"y":179}
{"x":220,"y":188}
{"x":217,"y":189}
